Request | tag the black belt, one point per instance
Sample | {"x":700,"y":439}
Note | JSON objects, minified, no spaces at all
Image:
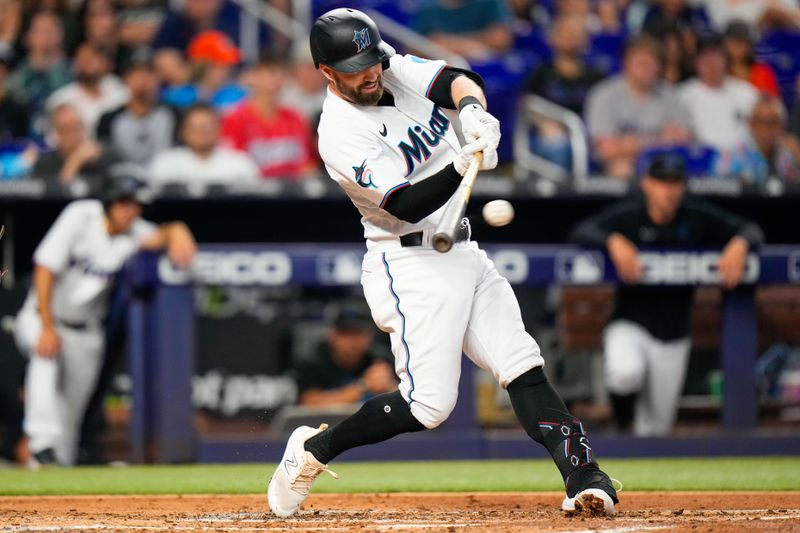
{"x":78,"y":326}
{"x":416,"y":238}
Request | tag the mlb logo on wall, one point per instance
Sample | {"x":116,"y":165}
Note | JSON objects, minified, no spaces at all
{"x":361,"y":39}
{"x":579,"y":267}
{"x":339,"y":268}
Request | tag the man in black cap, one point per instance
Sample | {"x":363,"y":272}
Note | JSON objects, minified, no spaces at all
{"x":142,"y":127}
{"x":347,"y":367}
{"x":647,"y":342}
{"x":60,"y":325}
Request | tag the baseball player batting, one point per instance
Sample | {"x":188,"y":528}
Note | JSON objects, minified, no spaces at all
{"x":386,"y":141}
{"x":60,"y":325}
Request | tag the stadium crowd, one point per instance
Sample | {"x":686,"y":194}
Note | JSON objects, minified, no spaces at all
{"x":163,"y":89}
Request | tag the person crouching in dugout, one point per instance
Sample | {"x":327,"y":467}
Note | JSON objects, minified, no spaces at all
{"x":60,"y":325}
{"x":647,"y":343}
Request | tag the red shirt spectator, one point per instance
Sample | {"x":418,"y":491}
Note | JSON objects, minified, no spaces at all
{"x":763,"y":78}
{"x":277,"y":137}
{"x":280,"y":144}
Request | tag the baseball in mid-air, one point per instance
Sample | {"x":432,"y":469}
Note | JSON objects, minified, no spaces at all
{"x":498,"y":213}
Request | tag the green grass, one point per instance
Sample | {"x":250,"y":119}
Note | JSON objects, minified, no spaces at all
{"x":768,"y":473}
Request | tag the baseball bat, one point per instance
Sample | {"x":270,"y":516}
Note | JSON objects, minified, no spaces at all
{"x":445,"y":234}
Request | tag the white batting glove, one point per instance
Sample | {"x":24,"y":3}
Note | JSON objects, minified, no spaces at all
{"x":477,"y":123}
{"x":467,"y":153}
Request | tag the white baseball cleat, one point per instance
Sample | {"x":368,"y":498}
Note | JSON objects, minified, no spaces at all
{"x":591,"y":501}
{"x":295,"y":474}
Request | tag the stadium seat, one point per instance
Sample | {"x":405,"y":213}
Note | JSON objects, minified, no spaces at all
{"x":605,"y":51}
{"x":701,"y":161}
{"x":402,"y":11}
{"x":781,"y":49}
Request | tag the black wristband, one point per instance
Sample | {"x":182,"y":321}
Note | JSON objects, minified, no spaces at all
{"x":468,"y":100}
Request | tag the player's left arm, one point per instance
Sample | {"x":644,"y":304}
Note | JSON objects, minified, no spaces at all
{"x":463,"y":90}
{"x":176,"y":239}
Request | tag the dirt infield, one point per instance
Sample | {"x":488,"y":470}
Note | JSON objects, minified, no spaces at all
{"x":490,"y":512}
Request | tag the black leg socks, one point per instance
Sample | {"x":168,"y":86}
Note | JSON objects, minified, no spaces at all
{"x":379,"y":419}
{"x":546,"y":419}
{"x":623,"y":405}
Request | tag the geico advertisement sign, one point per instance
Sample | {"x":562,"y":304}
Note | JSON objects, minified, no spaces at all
{"x":674,"y":268}
{"x":231,"y":268}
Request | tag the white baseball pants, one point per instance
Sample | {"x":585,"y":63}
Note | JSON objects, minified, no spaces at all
{"x":637,"y":362}
{"x":58,"y":390}
{"x":436,"y":306}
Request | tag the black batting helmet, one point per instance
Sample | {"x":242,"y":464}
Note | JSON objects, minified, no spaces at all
{"x":125,"y":188}
{"x":347,"y":40}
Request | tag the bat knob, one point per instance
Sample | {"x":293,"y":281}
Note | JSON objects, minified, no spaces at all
{"x":442,"y":242}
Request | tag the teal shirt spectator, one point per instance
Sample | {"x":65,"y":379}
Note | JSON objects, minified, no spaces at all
{"x":224,"y":99}
{"x":747,"y":164}
{"x":460,"y":16}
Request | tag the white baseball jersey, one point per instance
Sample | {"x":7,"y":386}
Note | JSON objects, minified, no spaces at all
{"x":84,"y":259}
{"x":433,"y":305}
{"x":371,"y":151}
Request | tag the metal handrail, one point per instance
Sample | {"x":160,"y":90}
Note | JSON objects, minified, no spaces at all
{"x":532,"y":110}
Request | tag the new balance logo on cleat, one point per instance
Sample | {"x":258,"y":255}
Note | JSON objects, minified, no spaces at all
{"x":290,"y":485}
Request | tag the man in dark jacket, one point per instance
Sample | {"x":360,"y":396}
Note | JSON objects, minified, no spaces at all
{"x":647,"y":342}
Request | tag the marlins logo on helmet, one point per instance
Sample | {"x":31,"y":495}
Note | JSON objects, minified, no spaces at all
{"x":361,"y":38}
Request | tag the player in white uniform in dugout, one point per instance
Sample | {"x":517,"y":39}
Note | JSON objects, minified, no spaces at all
{"x":60,"y":325}
{"x":386,"y":141}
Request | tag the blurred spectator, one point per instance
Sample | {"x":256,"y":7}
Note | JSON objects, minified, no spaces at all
{"x":202,"y":160}
{"x":647,"y":344}
{"x":770,"y":151}
{"x":599,"y":16}
{"x":718,"y":104}
{"x":346,"y":367}
{"x":566,"y":81}
{"x":677,"y":58}
{"x":213,"y":57}
{"x":142,"y":127}
{"x":94,"y":90}
{"x":529,"y":14}
{"x":277,"y":138}
{"x":305,"y":88}
{"x":475,"y":28}
{"x":62,"y":9}
{"x":738,"y":40}
{"x":677,"y":12}
{"x":42,"y":70}
{"x":10,"y":27}
{"x":16,"y":158}
{"x":172,"y":68}
{"x":78,"y":165}
{"x":633,"y":111}
{"x":99,"y":27}
{"x":179,"y":27}
{"x":139,"y":20}
{"x":14,"y":114}
{"x":763,"y":14}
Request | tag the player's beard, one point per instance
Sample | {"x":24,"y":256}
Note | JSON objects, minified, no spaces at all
{"x":357,"y":96}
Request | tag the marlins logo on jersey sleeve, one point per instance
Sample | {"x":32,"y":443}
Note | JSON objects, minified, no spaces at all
{"x":371,"y":169}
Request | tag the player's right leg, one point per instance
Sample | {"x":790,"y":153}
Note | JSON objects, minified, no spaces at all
{"x":625,"y":346}
{"x":41,"y":423}
{"x":498,"y":342}
{"x":421,"y":298}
